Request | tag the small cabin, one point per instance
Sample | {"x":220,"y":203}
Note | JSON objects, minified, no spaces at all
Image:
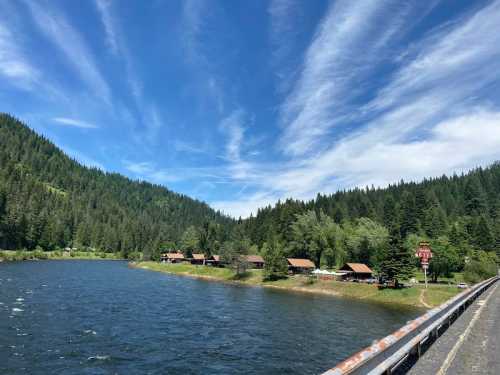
{"x":172,"y":257}
{"x":255,"y":261}
{"x":298,"y":265}
{"x":198,"y":258}
{"x":357,"y":271}
{"x":214,"y":260}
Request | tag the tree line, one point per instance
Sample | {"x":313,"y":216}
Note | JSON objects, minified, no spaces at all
{"x":458,"y":215}
{"x":49,"y":201}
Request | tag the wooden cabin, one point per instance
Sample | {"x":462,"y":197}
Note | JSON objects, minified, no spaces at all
{"x":198,"y":258}
{"x":214,"y":260}
{"x":172,"y":257}
{"x":298,"y":265}
{"x":357,"y":271}
{"x":255,"y":261}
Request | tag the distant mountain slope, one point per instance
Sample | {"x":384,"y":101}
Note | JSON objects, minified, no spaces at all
{"x":49,"y":200}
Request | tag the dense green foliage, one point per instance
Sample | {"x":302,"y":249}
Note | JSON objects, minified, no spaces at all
{"x":459,"y":215}
{"x":275,"y":265}
{"x":51,"y":201}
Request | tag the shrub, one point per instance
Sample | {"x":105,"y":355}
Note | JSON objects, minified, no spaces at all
{"x":481,"y":266}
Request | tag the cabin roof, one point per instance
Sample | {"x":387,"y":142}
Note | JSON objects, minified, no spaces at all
{"x":255,"y":259}
{"x":199,"y":256}
{"x":357,"y":267}
{"x":175,"y":256}
{"x":300,"y":263}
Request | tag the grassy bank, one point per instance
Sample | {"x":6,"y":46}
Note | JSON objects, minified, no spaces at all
{"x":416,"y":296}
{"x":19,"y":255}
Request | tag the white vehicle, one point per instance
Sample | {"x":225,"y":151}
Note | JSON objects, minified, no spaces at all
{"x":462,"y":285}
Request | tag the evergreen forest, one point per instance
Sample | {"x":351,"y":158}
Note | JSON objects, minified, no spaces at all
{"x":49,"y":201}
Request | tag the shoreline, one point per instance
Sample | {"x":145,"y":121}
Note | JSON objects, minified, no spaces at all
{"x":410,"y":298}
{"x":237,"y":282}
{"x":7,"y":256}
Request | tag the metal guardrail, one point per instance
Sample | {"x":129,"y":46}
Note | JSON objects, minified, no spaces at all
{"x":386,"y":355}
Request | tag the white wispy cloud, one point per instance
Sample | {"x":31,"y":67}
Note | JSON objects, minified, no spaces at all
{"x":426,"y":120}
{"x":17,"y":67}
{"x":148,"y":114}
{"x":193,"y":20}
{"x":118,"y":46}
{"x":103,"y":7}
{"x":458,"y":58}
{"x":74,"y":123}
{"x":452,"y":145}
{"x":329,"y":66}
{"x":13,"y":63}
{"x":139,"y":168}
{"x":347,"y":47}
{"x":60,"y":32}
{"x":285,"y":28}
{"x":245,"y":206}
{"x":190,"y":148}
{"x":149,"y":171}
{"x":233,"y":127}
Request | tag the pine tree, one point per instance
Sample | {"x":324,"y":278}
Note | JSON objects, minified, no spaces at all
{"x":190,"y":241}
{"x":275,"y":265}
{"x":497,"y":238}
{"x":396,"y":261}
{"x":483,"y":235}
{"x":474,"y":198}
{"x":409,"y":221}
{"x":391,"y":214}
{"x":421,"y":205}
{"x":435,"y":222}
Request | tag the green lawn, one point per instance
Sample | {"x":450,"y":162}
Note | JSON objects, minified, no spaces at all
{"x":455,"y":279}
{"x":414,"y":296}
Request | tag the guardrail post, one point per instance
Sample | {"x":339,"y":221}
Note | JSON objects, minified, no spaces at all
{"x":417,"y":350}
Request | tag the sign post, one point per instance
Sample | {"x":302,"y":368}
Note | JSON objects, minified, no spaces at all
{"x":424,"y":267}
{"x":425,"y":254}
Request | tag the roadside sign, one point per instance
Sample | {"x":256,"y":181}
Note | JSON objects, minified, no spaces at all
{"x":425,"y":254}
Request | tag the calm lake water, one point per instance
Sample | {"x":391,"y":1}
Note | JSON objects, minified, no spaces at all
{"x":101,"y":317}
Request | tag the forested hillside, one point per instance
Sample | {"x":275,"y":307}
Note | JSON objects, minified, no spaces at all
{"x":465,"y":207}
{"x":459,"y":215}
{"x":51,"y":201}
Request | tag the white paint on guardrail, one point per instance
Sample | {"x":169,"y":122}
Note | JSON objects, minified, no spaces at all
{"x":368,"y":358}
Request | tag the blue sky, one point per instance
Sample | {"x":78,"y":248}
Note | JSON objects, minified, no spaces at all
{"x":241,"y":103}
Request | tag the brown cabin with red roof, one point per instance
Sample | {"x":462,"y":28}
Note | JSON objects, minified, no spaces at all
{"x":299,"y":265}
{"x":198,"y":258}
{"x":255,"y":261}
{"x":358,"y":271}
{"x":172,"y":257}
{"x":214,"y":260}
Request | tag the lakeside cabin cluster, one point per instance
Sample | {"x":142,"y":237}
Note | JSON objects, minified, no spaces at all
{"x":349,"y":271}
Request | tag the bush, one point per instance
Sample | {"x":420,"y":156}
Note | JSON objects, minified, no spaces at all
{"x":134,"y":256}
{"x":310,"y":280}
{"x":40,"y":254}
{"x":481,"y":266}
